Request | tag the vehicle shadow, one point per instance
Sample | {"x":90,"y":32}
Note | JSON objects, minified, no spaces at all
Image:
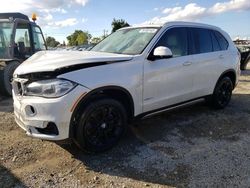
{"x":160,"y":149}
{"x":7,"y":179}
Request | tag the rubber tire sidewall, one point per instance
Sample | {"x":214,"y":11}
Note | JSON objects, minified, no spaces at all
{"x":81,"y":142}
{"x":214,"y":100}
{"x":5,"y":74}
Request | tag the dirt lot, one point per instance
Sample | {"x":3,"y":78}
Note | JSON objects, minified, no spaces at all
{"x":189,"y":147}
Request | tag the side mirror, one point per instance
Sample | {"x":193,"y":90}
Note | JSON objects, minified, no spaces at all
{"x":162,"y":52}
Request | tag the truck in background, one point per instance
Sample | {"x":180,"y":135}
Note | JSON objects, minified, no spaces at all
{"x":19,"y":39}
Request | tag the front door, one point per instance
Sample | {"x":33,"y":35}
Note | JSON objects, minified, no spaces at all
{"x":169,"y":81}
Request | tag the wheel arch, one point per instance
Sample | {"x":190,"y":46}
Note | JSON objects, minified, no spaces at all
{"x":231,"y":74}
{"x":115,"y":92}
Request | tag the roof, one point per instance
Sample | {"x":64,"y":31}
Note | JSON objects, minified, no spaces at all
{"x":173,"y":23}
{"x":184,"y":23}
{"x":141,"y":26}
{"x":13,"y":15}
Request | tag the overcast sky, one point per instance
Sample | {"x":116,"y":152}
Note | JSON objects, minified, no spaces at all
{"x":59,"y":18}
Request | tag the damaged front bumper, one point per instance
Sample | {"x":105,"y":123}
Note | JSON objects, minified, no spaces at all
{"x":46,"y":118}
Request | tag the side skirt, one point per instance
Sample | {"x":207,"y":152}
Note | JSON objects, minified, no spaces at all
{"x":171,"y":107}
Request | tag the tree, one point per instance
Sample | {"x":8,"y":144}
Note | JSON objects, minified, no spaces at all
{"x":117,"y":24}
{"x":79,"y":37}
{"x":96,"y":40}
{"x":51,"y":42}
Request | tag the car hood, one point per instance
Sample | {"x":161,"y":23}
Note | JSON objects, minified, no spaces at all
{"x":48,"y":61}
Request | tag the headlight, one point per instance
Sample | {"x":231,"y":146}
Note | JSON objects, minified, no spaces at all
{"x":49,"y":88}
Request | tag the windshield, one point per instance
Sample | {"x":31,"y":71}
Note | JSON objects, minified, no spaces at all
{"x":127,"y":41}
{"x":5,"y":38}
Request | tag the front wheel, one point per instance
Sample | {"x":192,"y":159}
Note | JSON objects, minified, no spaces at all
{"x":101,"y":125}
{"x":222,"y":93}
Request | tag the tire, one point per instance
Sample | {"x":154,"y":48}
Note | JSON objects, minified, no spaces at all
{"x":101,"y":125}
{"x":5,"y":78}
{"x":222,"y":93}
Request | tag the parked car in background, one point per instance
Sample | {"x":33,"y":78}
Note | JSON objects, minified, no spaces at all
{"x":91,"y":96}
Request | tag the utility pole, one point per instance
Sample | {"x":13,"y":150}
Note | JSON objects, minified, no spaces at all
{"x":105,"y":33}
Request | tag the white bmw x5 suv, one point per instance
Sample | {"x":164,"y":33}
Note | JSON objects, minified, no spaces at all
{"x":91,"y":96}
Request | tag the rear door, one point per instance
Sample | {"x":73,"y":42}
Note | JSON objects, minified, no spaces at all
{"x":208,"y":57}
{"x":169,"y":81}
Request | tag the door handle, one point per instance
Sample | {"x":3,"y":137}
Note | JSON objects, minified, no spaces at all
{"x":187,"y":63}
{"x":221,"y":56}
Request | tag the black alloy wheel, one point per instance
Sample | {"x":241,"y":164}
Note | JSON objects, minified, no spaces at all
{"x":222,"y":93}
{"x":101,"y":125}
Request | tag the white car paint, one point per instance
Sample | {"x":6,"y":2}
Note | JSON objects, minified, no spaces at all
{"x":152,"y":84}
{"x":163,"y":83}
{"x":57,"y":110}
{"x":51,"y":60}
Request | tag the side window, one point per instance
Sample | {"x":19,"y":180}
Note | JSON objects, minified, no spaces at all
{"x":176,"y":40}
{"x":216,"y":45}
{"x":39,"y":43}
{"x":5,"y":39}
{"x":203,"y":40}
{"x":222,"y":41}
{"x":22,"y":47}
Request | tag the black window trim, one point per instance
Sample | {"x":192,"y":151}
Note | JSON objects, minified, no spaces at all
{"x":190,"y":39}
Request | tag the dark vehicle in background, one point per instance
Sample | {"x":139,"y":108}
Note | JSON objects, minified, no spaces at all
{"x":19,"y":39}
{"x":245,"y":56}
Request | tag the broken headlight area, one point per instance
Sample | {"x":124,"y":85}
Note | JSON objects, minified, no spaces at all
{"x":51,"y":88}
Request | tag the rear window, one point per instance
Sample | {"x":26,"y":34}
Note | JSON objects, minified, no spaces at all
{"x":221,"y":39}
{"x":207,"y":40}
{"x":216,"y":45}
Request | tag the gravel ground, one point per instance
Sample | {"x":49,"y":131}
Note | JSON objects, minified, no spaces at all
{"x":193,"y":146}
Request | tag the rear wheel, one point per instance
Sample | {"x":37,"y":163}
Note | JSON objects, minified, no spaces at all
{"x":101,"y":125}
{"x":6,"y":76}
{"x":222,"y":93}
